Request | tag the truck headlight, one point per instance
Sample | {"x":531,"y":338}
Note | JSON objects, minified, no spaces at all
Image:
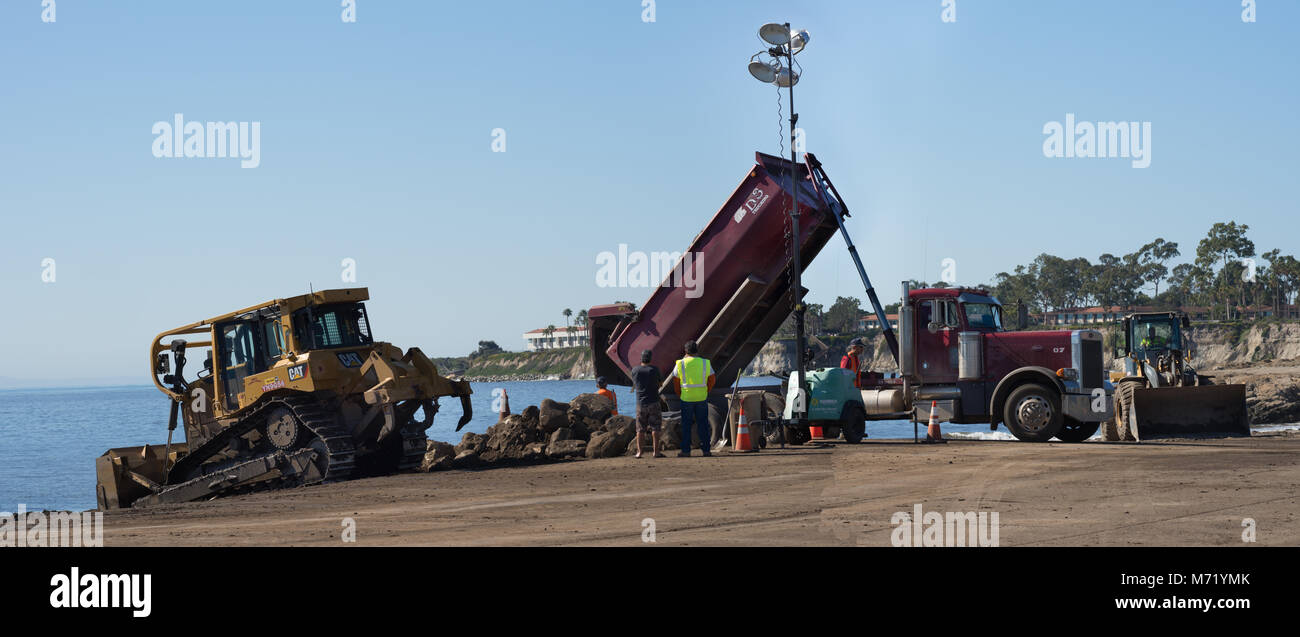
{"x":1067,"y":373}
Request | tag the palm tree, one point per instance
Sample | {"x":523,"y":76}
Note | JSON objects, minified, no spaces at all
{"x":567,"y":313}
{"x":548,"y":333}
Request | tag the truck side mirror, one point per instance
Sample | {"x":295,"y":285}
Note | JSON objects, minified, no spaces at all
{"x":163,"y":364}
{"x":1022,"y":318}
{"x":1187,"y":323}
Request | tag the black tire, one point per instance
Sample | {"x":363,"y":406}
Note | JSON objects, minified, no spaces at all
{"x":1125,"y":420}
{"x":796,"y":436}
{"x":1075,"y":431}
{"x":853,"y":423}
{"x":1032,"y":413}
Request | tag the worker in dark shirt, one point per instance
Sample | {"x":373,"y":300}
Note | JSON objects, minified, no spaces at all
{"x":649,"y":416}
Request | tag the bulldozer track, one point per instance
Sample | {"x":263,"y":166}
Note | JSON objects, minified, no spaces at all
{"x":414,"y":444}
{"x":340,"y":453}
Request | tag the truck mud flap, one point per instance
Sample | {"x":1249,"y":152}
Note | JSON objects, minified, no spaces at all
{"x":1182,"y":411}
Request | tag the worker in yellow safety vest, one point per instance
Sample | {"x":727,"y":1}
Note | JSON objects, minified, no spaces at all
{"x":693,"y":378}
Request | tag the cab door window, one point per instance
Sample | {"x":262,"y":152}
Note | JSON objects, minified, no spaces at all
{"x":240,"y":356}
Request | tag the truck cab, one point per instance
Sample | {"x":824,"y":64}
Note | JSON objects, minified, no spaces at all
{"x":956,"y":354}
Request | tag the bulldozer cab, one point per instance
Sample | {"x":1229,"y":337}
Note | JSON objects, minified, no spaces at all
{"x":331,"y":327}
{"x":240,"y":355}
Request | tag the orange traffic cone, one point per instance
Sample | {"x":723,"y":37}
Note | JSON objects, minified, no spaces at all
{"x":933,"y":434}
{"x":743,"y":442}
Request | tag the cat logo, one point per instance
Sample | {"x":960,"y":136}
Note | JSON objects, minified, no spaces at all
{"x":350,"y":359}
{"x":297,"y":373}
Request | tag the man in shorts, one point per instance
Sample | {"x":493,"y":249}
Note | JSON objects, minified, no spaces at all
{"x":649,"y":417}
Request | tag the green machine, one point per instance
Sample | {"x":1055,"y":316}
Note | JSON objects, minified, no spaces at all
{"x":834,"y":403}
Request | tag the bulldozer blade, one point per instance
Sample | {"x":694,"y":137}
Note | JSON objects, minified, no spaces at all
{"x":127,"y":474}
{"x":1177,"y":411}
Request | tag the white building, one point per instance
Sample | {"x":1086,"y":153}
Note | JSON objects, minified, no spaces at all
{"x":562,"y":337}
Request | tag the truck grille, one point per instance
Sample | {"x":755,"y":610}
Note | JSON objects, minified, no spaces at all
{"x":1092,"y":367}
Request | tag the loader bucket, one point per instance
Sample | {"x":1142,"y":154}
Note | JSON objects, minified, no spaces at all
{"x":127,"y":474}
{"x":1177,"y":411}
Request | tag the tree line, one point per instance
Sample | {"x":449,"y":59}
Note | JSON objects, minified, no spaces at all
{"x":1224,"y":274}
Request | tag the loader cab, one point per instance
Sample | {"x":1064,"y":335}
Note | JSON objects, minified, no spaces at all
{"x":1146,"y":335}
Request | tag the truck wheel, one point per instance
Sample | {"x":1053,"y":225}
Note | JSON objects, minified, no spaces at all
{"x":797,"y":435}
{"x":1075,"y":431}
{"x":1033,"y":413}
{"x":853,"y":423}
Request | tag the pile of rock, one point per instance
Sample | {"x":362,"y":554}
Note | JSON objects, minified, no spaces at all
{"x":586,"y":427}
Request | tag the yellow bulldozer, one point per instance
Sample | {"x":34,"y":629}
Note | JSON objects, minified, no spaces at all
{"x":1160,"y":394}
{"x":292,"y":392}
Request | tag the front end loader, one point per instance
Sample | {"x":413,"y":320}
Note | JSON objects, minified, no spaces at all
{"x":292,"y":392}
{"x":1159,"y":393}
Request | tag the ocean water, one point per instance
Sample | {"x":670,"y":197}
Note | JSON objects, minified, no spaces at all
{"x":49,"y":438}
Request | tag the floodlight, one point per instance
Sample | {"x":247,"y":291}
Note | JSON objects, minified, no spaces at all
{"x":775,"y":34}
{"x":799,"y":41}
{"x":786,"y":78}
{"x":764,"y":72}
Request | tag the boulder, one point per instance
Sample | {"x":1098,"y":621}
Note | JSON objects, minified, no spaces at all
{"x":591,"y":407}
{"x":582,"y":429}
{"x":618,"y":432}
{"x":567,"y":449}
{"x":438,"y":456}
{"x":553,"y":415}
{"x":531,"y":413}
{"x":471,"y":442}
{"x":468,"y":459}
{"x":534,"y":451}
{"x":509,"y":438}
{"x":561,"y":434}
{"x":671,"y":431}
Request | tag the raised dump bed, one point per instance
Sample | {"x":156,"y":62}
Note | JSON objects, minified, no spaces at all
{"x":737,"y":290}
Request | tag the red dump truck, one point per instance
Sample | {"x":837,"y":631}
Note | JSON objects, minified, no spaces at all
{"x":952,"y":349}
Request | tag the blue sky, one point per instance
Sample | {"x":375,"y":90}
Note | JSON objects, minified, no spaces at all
{"x":376,"y":146}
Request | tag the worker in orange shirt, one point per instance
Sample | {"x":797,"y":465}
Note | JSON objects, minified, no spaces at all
{"x":852,"y":362}
{"x":603,"y":391}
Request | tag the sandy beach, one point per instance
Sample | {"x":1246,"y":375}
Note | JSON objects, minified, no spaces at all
{"x":1163,"y":493}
